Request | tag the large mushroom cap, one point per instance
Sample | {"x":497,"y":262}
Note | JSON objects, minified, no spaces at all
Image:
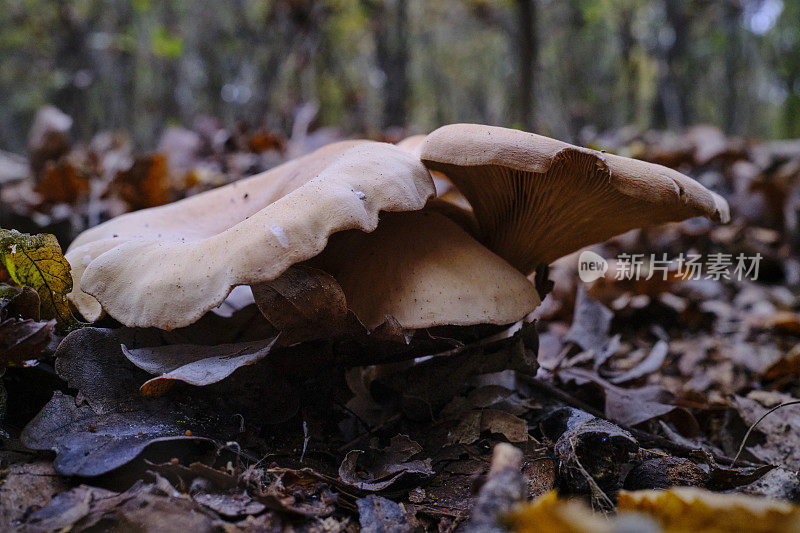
{"x":424,"y":270}
{"x":167,"y":266}
{"x":536,"y":199}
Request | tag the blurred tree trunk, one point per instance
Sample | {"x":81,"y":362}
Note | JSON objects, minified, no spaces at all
{"x":121,"y":64}
{"x":390,"y":28}
{"x":170,"y":106}
{"x":733,"y":118}
{"x":527,"y":54}
{"x":673,"y":91}
{"x":788,"y":68}
{"x":627,"y":42}
{"x":73,"y":59}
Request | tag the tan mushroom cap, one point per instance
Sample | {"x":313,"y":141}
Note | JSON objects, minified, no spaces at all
{"x":411,"y":143}
{"x":171,"y":264}
{"x":422,"y":269}
{"x":449,"y":201}
{"x":536,"y":199}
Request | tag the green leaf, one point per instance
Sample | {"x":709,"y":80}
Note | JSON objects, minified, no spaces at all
{"x":166,"y":44}
{"x":36,"y":261}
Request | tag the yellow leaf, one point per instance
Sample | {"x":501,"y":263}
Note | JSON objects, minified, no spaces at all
{"x":36,"y":261}
{"x":677,"y":510}
{"x":692,"y":510}
{"x":554,"y":515}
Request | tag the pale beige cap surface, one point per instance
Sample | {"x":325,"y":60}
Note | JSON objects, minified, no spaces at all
{"x":173,"y":263}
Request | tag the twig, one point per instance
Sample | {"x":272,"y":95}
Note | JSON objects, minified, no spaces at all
{"x":305,"y":440}
{"x":504,"y":488}
{"x":751,"y":428}
{"x":597,"y":493}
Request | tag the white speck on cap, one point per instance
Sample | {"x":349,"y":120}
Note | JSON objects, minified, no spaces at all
{"x":280,"y":234}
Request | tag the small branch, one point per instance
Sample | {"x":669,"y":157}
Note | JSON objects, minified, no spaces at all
{"x":746,"y":435}
{"x":504,"y":488}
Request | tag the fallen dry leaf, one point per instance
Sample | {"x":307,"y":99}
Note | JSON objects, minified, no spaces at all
{"x":554,"y":515}
{"x":19,"y":302}
{"x":91,"y":444}
{"x":27,"y":483}
{"x":195,"y":365}
{"x":493,"y":421}
{"x":36,"y":261}
{"x":692,"y":510}
{"x":631,"y":407}
{"x":23,"y":340}
{"x":302,"y":492}
{"x":145,"y":184}
{"x":61,"y":183}
{"x":376,"y":470}
{"x":305,"y":303}
{"x":112,"y":423}
{"x":236,"y":505}
{"x":377,"y":514}
{"x":144,"y":507}
{"x":647,"y":366}
{"x":591,"y":326}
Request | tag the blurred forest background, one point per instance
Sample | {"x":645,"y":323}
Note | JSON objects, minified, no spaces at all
{"x":556,"y":67}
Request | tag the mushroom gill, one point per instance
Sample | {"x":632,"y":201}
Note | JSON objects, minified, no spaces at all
{"x":536,"y":199}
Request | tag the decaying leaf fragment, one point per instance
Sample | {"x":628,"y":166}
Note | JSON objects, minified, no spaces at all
{"x":379,"y":514}
{"x":145,"y":183}
{"x":36,"y":261}
{"x":305,"y":303}
{"x":19,"y":302}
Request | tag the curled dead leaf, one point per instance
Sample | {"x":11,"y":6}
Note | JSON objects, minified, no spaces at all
{"x":195,"y":365}
{"x":379,"y":469}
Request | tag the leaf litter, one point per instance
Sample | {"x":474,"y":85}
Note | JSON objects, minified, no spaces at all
{"x":643,"y":384}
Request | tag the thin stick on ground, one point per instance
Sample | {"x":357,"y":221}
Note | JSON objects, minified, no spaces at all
{"x":751,"y":428}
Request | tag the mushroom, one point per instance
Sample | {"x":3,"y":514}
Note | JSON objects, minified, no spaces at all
{"x":535,"y":199}
{"x":515,"y":200}
{"x":167,"y":266}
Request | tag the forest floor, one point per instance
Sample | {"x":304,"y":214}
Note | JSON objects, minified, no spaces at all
{"x":617,"y":384}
